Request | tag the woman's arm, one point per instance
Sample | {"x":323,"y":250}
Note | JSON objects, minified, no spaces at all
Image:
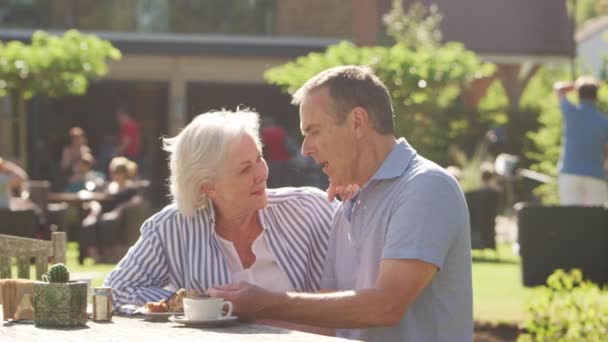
{"x":141,"y":276}
{"x":17,"y":174}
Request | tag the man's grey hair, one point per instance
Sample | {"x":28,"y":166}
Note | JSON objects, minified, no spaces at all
{"x":353,"y":86}
{"x":198,"y":151}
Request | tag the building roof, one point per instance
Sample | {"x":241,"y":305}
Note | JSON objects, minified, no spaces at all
{"x":182,"y":44}
{"x":591,"y":27}
{"x":518,"y":28}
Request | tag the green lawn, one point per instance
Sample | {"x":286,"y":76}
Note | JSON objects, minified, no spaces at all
{"x":97,"y":272}
{"x":499,"y":296}
{"x":498,"y":293}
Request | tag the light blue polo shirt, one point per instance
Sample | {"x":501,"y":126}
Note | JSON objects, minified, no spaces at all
{"x":410,"y":209}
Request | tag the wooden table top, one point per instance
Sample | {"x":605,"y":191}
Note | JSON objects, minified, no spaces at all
{"x":136,"y":329}
{"x":76,"y":197}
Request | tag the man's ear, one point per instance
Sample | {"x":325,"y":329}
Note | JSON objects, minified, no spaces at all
{"x":359,"y":121}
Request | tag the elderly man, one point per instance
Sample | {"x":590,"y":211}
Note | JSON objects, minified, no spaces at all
{"x":399,"y":266}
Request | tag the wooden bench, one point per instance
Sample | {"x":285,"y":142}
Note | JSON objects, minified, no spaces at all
{"x":23,"y":249}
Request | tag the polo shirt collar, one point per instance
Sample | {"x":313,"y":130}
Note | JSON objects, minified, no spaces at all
{"x":396,"y":162}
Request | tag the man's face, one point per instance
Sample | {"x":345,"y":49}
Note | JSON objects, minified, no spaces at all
{"x":331,"y":145}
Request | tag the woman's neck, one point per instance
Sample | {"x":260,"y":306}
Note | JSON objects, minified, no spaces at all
{"x":233,"y":225}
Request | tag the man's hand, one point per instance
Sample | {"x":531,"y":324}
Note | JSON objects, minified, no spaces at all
{"x":247,"y":299}
{"x":562,"y":87}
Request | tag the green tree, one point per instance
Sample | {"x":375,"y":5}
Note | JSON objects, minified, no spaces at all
{"x":425,"y":82}
{"x":51,"y":66}
{"x":587,"y":9}
{"x":415,"y":28}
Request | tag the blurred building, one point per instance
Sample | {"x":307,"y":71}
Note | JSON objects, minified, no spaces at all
{"x":184,"y":57}
{"x":592,"y":46}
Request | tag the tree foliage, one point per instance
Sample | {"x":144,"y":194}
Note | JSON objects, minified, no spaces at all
{"x":53,"y":66}
{"x":417,"y":27}
{"x":587,"y":9}
{"x":425,"y":83}
{"x":50,"y":66}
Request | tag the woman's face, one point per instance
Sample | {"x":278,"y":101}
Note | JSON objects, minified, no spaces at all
{"x":241,"y":180}
{"x":118,"y":176}
{"x":78,"y":140}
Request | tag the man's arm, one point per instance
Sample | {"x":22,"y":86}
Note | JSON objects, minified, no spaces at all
{"x":399,"y":283}
{"x":17,"y":174}
{"x":562,"y":88}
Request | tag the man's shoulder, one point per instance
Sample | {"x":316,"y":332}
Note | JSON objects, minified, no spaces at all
{"x":425,"y":172}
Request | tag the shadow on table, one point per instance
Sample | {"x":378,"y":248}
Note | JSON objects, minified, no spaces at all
{"x":12,"y":323}
{"x":238,"y":328}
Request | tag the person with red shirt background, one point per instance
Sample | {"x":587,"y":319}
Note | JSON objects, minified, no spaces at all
{"x":129,"y":135}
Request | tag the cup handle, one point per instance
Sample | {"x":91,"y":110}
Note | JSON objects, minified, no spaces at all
{"x":229,"y":312}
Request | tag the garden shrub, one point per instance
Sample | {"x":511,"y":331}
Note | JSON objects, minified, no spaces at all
{"x":568,"y":309}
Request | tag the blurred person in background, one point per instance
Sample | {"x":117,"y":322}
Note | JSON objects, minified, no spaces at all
{"x":11,"y":179}
{"x":100,"y":228}
{"x":84,"y":177}
{"x":72,"y":153}
{"x":129,"y":144}
{"x":584,"y":157}
{"x":277,"y":154}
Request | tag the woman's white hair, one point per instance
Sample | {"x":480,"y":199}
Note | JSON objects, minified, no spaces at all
{"x":199,"y":150}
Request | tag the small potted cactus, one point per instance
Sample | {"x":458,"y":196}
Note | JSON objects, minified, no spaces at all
{"x":59,"y":301}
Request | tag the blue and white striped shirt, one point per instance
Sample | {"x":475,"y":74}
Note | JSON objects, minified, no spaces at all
{"x":175,"y":251}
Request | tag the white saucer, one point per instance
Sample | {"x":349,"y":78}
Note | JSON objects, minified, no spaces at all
{"x":204,"y":323}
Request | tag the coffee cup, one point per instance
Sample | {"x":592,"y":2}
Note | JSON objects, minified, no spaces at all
{"x":201,"y":309}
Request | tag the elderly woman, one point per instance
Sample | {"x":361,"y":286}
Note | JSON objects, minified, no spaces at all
{"x":225,"y":225}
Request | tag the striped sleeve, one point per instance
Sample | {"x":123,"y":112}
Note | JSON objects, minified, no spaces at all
{"x":302,"y":223}
{"x":324,"y":214}
{"x":142,"y":274}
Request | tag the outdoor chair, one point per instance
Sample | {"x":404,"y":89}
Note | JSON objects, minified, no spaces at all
{"x":22,"y":223}
{"x":23,"y":249}
{"x":483,"y":208}
{"x":38,"y":193}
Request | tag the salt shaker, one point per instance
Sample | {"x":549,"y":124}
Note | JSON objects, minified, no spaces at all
{"x":102,"y":304}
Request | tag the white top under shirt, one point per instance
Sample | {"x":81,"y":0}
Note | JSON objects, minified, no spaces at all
{"x":264,"y":272}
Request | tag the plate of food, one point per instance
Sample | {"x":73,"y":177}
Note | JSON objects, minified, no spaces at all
{"x":161,"y":311}
{"x":158,"y":316}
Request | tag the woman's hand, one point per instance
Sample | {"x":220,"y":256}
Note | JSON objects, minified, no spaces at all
{"x":345,"y":192}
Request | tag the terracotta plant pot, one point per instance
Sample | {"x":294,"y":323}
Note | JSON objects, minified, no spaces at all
{"x":60,"y":304}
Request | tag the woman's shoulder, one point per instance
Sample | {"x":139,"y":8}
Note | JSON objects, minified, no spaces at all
{"x":169,"y":216}
{"x":280,"y":195}
{"x":305,"y":198}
